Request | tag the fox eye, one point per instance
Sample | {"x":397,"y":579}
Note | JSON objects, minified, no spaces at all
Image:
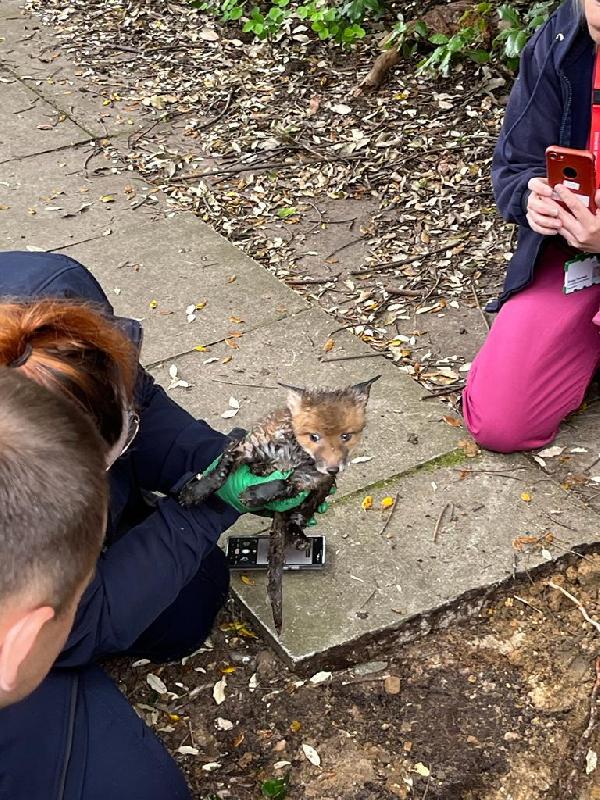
{"x":345,"y":437}
{"x":314,"y":437}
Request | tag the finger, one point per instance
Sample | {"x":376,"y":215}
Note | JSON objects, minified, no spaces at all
{"x":540,"y":186}
{"x":543,"y":229}
{"x":571,"y":225}
{"x":543,"y":205}
{"x":544,"y":221}
{"x":569,"y":239}
{"x":574,"y":204}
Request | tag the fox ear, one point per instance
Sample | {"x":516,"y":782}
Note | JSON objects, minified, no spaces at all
{"x":294,"y":397}
{"x":363,"y":389}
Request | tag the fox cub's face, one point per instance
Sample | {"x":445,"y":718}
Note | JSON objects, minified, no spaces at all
{"x":329,"y":424}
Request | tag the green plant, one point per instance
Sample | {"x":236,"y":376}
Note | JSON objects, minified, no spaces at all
{"x":276,"y":789}
{"x":406,"y":35}
{"x":330,"y":22}
{"x":265,"y":26}
{"x":517,"y":28}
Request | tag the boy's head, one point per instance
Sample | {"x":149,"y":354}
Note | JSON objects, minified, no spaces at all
{"x":53,"y":499}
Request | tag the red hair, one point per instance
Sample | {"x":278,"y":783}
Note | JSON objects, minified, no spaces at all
{"x":73,"y":349}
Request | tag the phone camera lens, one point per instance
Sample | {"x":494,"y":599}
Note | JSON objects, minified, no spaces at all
{"x":570,"y":172}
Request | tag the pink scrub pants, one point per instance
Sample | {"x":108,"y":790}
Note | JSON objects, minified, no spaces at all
{"x":536,"y":363}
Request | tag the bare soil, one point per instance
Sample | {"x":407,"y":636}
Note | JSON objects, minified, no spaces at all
{"x":491,"y":709}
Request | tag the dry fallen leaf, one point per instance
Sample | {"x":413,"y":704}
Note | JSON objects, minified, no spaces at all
{"x":469,"y":447}
{"x":452,"y":421}
{"x":526,"y":497}
{"x":422,"y":770}
{"x":295,"y":726}
{"x":387,"y":502}
{"x":392,"y":684}
{"x":329,"y":345}
{"x":155,"y":683}
{"x":245,"y":579}
{"x":219,"y":690}
{"x":187,"y":750}
{"x":311,"y":755}
{"x":153,"y":303}
{"x":367,"y":503}
{"x":320,"y":677}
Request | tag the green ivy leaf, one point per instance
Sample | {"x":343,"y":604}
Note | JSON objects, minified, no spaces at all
{"x":479,"y":56}
{"x":438,"y":38}
{"x":276,"y":789}
{"x":284,"y":213}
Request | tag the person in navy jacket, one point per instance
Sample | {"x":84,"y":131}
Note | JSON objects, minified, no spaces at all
{"x":544,"y":346}
{"x":161,"y":578}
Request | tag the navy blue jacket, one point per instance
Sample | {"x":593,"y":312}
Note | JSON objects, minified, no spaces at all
{"x":141,"y":573}
{"x":550,"y":104}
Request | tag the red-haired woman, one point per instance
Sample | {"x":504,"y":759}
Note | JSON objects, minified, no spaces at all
{"x":161,"y":579}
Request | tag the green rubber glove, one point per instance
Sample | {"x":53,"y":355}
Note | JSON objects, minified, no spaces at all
{"x":243,"y":477}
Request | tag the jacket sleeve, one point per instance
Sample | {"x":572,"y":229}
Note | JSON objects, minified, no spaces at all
{"x":170,"y":442}
{"x":140,"y":575}
{"x":531,"y":123}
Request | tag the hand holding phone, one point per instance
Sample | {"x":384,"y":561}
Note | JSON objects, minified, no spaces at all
{"x":574,"y":169}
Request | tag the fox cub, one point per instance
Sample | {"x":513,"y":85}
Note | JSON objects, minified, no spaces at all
{"x":314,"y":438}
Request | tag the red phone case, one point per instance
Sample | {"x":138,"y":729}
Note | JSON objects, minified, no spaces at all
{"x":575,"y":169}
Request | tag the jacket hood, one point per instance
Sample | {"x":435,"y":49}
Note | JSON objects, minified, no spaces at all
{"x":25,"y":275}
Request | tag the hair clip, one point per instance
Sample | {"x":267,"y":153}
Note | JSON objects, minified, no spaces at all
{"x":23,"y":358}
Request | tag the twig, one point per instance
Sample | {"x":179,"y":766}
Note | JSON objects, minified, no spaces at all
{"x":527,"y":603}
{"x":582,"y":745}
{"x":431,"y":291}
{"x":343,"y":247}
{"x":74,"y":244}
{"x":219,"y":116}
{"x":397,"y":264}
{"x":404,"y":292}
{"x":309,"y":281}
{"x":250,"y":385}
{"x":577,"y":602}
{"x":483,"y":317}
{"x":390,"y":515}
{"x":351,"y":358}
{"x":443,"y":390}
{"x":438,"y":524}
{"x":369,"y":598}
{"x":268,"y":165}
{"x":593,"y":464}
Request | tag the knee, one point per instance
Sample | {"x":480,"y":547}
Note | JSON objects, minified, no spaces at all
{"x":502,"y":430}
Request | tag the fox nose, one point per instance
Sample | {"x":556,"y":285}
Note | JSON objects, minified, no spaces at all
{"x":333,"y":470}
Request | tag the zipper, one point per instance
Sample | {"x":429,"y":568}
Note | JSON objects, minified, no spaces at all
{"x":70,"y":735}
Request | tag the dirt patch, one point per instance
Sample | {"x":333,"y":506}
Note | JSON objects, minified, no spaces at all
{"x":492,"y":709}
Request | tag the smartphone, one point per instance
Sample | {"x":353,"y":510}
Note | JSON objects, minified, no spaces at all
{"x":575,"y":169}
{"x":251,"y":552}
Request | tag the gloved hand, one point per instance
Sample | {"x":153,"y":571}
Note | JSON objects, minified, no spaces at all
{"x":243,"y":477}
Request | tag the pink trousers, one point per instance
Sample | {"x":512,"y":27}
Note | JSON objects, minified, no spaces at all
{"x":536,"y":363}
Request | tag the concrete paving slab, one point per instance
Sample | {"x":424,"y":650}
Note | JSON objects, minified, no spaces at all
{"x":34,"y":53}
{"x":29,"y":125}
{"x":177,"y":262}
{"x":573,"y":458}
{"x":395,"y":586}
{"x":52,"y":203}
{"x":402,"y":432}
